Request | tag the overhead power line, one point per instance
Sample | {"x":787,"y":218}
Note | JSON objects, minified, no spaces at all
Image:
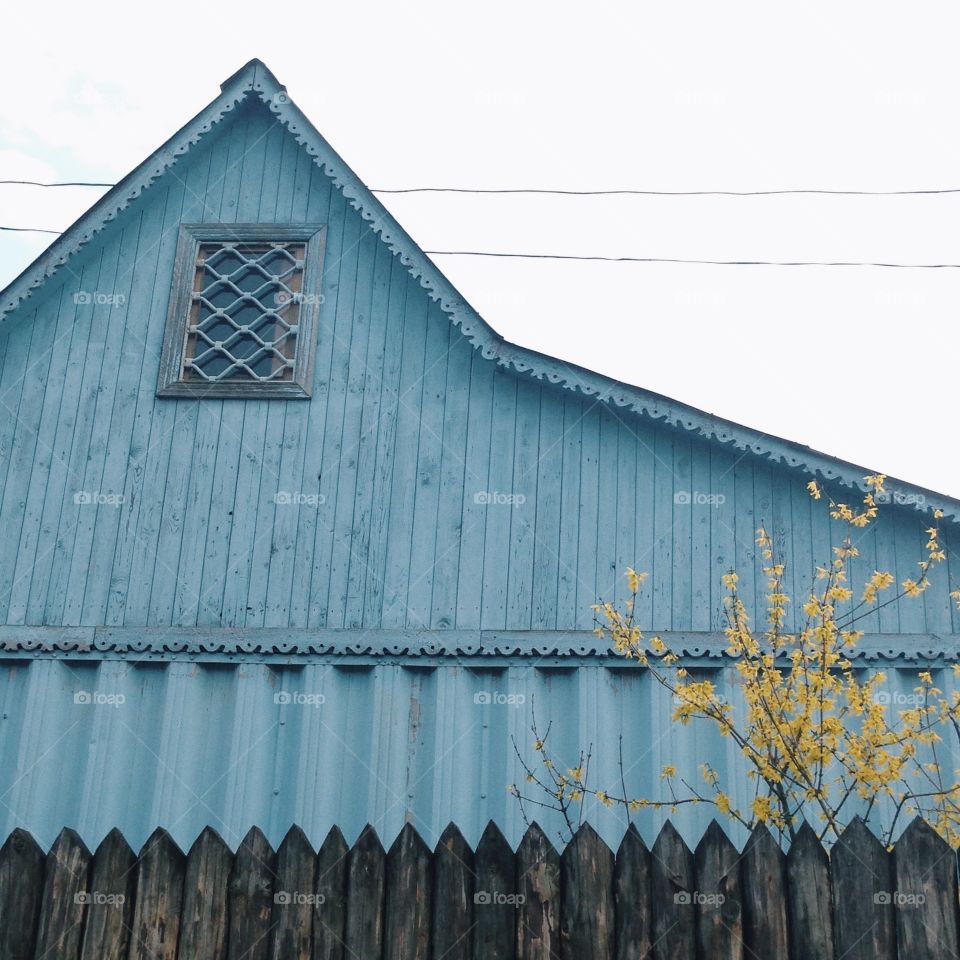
{"x":65,"y":183}
{"x":669,"y":193}
{"x":30,"y":230}
{"x":713,"y":263}
{"x":585,"y":193}
{"x":680,"y":260}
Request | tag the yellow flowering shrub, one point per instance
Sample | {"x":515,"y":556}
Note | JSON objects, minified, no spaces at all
{"x":818,"y":740}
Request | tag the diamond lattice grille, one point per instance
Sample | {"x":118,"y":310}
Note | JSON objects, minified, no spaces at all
{"x":244,"y":312}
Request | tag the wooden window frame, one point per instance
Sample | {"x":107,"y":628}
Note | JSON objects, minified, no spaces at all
{"x":170,"y":382}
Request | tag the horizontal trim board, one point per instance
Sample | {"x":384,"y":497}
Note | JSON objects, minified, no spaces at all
{"x":371,"y":646}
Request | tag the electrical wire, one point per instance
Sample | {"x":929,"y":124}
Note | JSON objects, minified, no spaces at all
{"x":680,"y":260}
{"x":670,"y":193}
{"x":66,"y":183}
{"x":586,"y":193}
{"x":713,"y":263}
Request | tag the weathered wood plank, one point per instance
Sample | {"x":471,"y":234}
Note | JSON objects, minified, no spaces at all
{"x":65,"y":895}
{"x":21,"y":890}
{"x":106,"y":934}
{"x":366,"y":877}
{"x":294,"y":898}
{"x":673,"y":886}
{"x":718,"y":896}
{"x":159,"y":898}
{"x":250,"y":898}
{"x":330,"y":910}
{"x":764,"y":895}
{"x":409,"y":874}
{"x":203,"y":928}
{"x":862,"y":889}
{"x":587,"y":924}
{"x":538,"y":884}
{"x":631,"y":892}
{"x":808,"y":898}
{"x":925,"y":898}
{"x":494,"y":924}
{"x":453,"y":878}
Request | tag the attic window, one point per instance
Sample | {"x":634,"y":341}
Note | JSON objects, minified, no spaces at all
{"x":243,"y":311}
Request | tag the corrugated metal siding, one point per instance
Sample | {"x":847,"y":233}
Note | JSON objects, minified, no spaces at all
{"x":407,"y":425}
{"x":196,"y":744}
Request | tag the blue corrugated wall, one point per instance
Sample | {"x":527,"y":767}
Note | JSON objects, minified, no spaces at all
{"x":184,"y":744}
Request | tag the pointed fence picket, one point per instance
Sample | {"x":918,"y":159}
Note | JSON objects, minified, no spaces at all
{"x":490,"y":903}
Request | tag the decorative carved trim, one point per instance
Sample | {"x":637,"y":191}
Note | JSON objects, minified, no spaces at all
{"x":527,"y":647}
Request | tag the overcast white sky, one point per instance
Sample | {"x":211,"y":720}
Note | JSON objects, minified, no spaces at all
{"x":858,"y":362}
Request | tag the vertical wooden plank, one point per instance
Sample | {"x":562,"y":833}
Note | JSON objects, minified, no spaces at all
{"x":65,"y":894}
{"x":523,"y":512}
{"x":366,"y":876}
{"x":665,"y":489}
{"x":925,"y":899}
{"x":453,"y":878}
{"x":672,"y":889}
{"x":567,"y":609}
{"x":250,"y":898}
{"x":587,"y":914}
{"x":632,"y":892}
{"x":701,"y":569}
{"x":588,"y":515}
{"x":808,"y":896}
{"x":409,"y":873}
{"x":382,"y":478}
{"x":687,"y":505}
{"x":159,"y":898}
{"x":294,"y":898}
{"x":203,"y":928}
{"x":494,"y":923}
{"x":340,"y":275}
{"x":764,"y":895}
{"x":718,"y":897}
{"x":21,"y":889}
{"x":106,"y":934}
{"x":431,"y":400}
{"x":330,"y":911}
{"x":476,"y":481}
{"x":546,"y":545}
{"x":368,"y":429}
{"x":538,"y":884}
{"x":862,"y":891}
{"x":493,"y":615}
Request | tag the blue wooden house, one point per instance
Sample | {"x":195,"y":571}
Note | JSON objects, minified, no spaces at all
{"x":288,"y":533}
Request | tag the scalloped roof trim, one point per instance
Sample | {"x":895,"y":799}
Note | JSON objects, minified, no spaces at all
{"x":256,"y":78}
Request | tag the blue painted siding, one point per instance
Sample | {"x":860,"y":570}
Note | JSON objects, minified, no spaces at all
{"x":408,"y":430}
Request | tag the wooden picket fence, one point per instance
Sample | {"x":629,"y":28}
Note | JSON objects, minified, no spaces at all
{"x":364,"y":903}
